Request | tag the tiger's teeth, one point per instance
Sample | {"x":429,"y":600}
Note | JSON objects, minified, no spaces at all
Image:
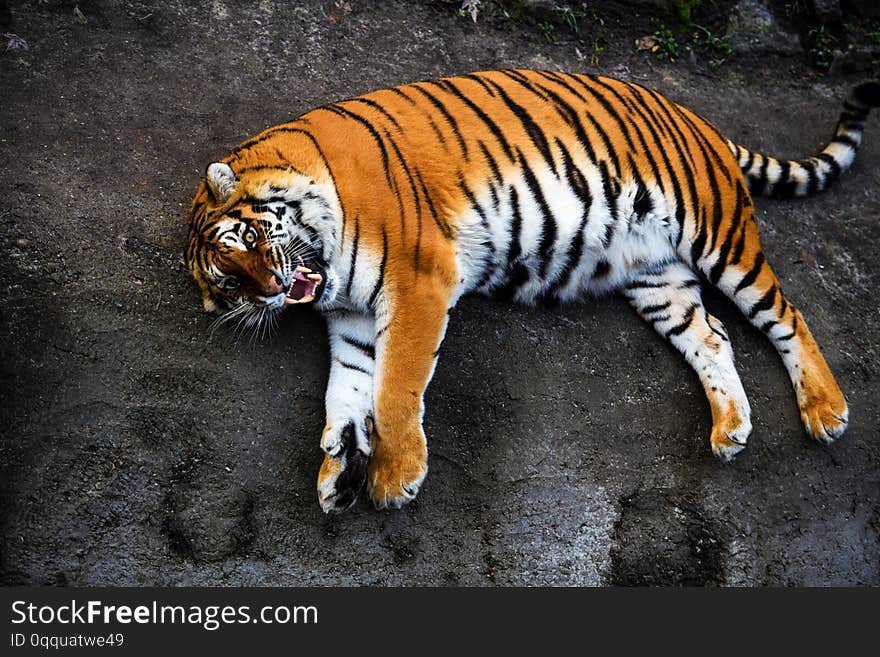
{"x":314,"y":277}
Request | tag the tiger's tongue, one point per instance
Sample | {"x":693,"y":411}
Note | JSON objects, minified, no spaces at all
{"x":301,"y":287}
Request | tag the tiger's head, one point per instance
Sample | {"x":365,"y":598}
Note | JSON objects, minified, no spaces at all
{"x":260,"y":243}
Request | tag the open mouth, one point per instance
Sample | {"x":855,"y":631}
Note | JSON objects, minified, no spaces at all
{"x":305,"y":287}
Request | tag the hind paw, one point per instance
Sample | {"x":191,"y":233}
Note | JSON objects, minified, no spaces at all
{"x":825,"y":420}
{"x":730,"y":430}
{"x":728,"y":441}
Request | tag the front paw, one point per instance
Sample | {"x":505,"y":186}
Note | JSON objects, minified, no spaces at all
{"x":344,"y":470}
{"x":396,"y":471}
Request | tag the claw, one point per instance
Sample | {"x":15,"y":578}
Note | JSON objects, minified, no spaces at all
{"x":734,"y":439}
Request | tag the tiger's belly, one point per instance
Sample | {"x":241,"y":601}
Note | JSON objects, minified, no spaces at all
{"x":538,"y":238}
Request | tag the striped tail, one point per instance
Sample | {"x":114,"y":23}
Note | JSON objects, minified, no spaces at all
{"x":788,"y":178}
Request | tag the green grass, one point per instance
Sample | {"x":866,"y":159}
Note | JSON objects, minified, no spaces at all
{"x":665,"y":44}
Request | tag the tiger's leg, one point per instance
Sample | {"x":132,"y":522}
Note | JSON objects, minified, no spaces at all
{"x":349,"y":403}
{"x":668,"y":296}
{"x":409,"y":333}
{"x":752,"y":285}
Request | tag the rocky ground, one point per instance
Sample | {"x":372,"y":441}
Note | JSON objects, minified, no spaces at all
{"x":567,"y":445}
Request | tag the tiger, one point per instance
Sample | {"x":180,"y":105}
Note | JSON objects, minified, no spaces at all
{"x":383,"y":210}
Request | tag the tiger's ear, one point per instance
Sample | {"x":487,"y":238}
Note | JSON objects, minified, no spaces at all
{"x":221,"y":181}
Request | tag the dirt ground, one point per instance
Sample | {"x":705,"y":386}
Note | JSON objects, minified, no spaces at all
{"x":567,"y":445}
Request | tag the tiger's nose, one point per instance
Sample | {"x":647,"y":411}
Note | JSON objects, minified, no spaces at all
{"x":276,"y":286}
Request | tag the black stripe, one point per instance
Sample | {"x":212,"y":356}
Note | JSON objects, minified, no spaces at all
{"x":489,"y":260}
{"x":515,"y":249}
{"x":450,"y":87}
{"x":669,"y":127}
{"x":846,"y":140}
{"x":576,"y":179}
{"x":685,"y":323}
{"x":608,"y":109}
{"x":679,"y":210}
{"x":400,"y":92}
{"x":483,"y":83}
{"x":365,"y":348}
{"x":604,"y":103}
{"x":263,"y":136}
{"x":699,"y":244}
{"x":525,"y":83}
{"x":749,"y":162}
{"x":702,"y":140}
{"x":786,"y":186}
{"x":738,"y":249}
{"x":720,"y":334}
{"x":575,"y":122}
{"x":350,"y":366}
{"x":610,"y":201}
{"x":412,"y":187}
{"x":664,"y":105}
{"x":633,"y":109}
{"x":575,"y":252}
{"x":440,"y":137}
{"x":683,"y":153}
{"x":442,"y":225}
{"x":450,"y":120}
{"x":573,"y":258}
{"x":638,"y":285}
{"x":854,"y":113}
{"x":381,"y":278}
{"x":533,"y":130}
{"x":720,"y":265}
{"x":570,"y":116}
{"x":603,"y":268}
{"x":376,"y":106}
{"x":752,"y":275}
{"x":707,"y":152}
{"x":610,"y":151}
{"x":650,"y":310}
{"x":548,"y":229}
{"x":354,"y":254}
{"x":517,"y":274}
{"x":341,"y":111}
{"x":766,"y":326}
{"x":765,"y":303}
{"x":496,"y":172}
{"x":759,"y":183}
{"x":812,"y":176}
{"x":835,"y":166}
{"x":643,"y":203}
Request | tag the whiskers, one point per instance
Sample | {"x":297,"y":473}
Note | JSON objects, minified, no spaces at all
{"x":259,"y":321}
{"x":296,"y":249}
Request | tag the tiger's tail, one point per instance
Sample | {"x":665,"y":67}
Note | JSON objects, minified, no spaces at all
{"x":792,"y":178}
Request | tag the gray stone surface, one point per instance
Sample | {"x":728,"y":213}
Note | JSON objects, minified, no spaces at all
{"x":567,"y":445}
{"x":754,"y":29}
